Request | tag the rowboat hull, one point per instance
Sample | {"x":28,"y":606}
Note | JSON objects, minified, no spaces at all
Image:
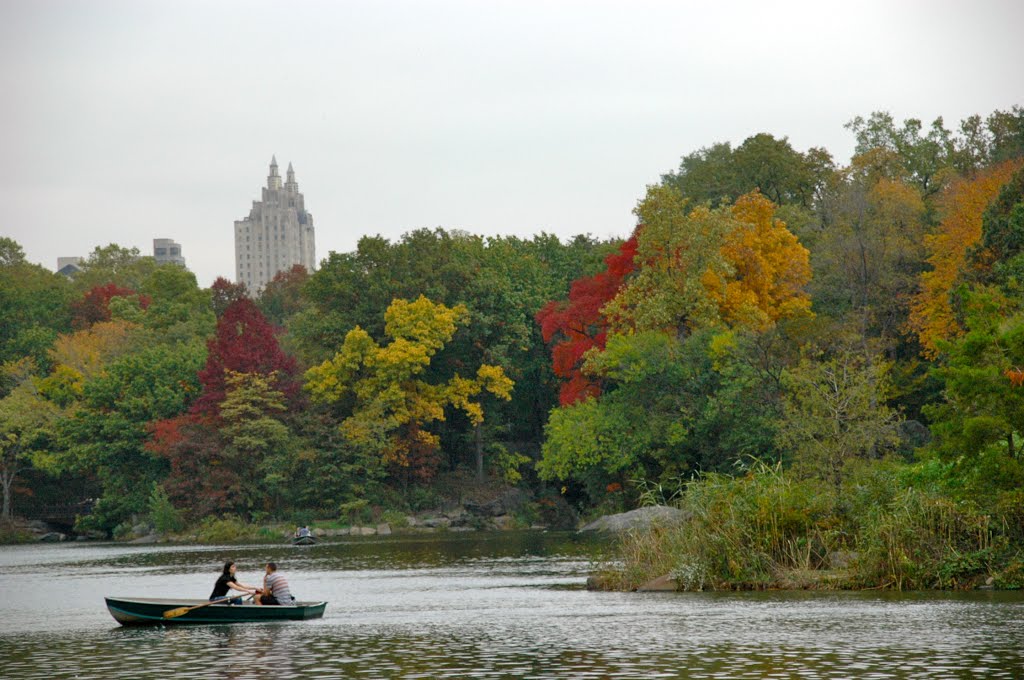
{"x":304,"y":540}
{"x":150,"y":611}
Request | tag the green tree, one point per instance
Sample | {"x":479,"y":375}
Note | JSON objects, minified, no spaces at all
{"x":107,"y":434}
{"x":982,"y":407}
{"x":26,"y":431}
{"x":834,"y":412}
{"x":124,"y":267}
{"x":257,"y":441}
{"x":719,"y":175}
{"x":34,"y":307}
{"x":924,"y":160}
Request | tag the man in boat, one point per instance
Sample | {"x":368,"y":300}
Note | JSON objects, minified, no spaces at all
{"x":275,"y":588}
{"x":302,"y":532}
{"x":226,"y":582}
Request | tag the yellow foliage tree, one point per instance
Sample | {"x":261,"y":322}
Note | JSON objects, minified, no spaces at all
{"x":386,"y":398}
{"x":87,"y":351}
{"x":962,"y":205}
{"x":768,"y":269}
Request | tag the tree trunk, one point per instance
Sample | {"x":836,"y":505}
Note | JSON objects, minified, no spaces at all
{"x":478,"y":440}
{"x":1009,"y":446}
{"x":6,"y":480}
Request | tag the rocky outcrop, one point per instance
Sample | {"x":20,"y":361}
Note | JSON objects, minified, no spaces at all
{"x":641,"y":518}
{"x":505,"y":504}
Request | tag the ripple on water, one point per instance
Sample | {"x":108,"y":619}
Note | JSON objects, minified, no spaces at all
{"x":516,"y":613}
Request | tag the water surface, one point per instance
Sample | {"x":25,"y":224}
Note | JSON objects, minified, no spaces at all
{"x":477,"y":605}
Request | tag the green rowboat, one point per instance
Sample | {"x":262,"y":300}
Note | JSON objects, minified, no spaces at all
{"x":139,"y":611}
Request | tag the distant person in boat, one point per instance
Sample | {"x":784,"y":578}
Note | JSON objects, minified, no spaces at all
{"x":227,"y":582}
{"x":275,"y":588}
{"x":302,"y":532}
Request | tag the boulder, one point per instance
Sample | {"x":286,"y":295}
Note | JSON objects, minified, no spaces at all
{"x":641,"y":518}
{"x":662,"y":584}
{"x":142,"y":540}
{"x":384,"y":529}
{"x":436,"y":522}
{"x":842,"y":559}
{"x":53,"y":537}
{"x":504,"y":522}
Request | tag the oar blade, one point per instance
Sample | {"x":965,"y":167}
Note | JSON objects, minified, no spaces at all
{"x":175,"y":613}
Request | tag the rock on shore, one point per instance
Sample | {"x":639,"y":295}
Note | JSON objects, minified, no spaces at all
{"x":641,"y":518}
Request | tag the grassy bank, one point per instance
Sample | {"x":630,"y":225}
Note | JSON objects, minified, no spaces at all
{"x":887,"y":525}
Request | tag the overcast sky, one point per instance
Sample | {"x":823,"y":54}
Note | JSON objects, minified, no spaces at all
{"x":129,"y":121}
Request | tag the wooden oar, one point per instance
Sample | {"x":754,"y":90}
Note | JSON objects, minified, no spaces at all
{"x":181,"y":611}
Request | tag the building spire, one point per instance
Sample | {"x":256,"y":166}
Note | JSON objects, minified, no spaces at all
{"x":273,"y":179}
{"x":290,"y":184}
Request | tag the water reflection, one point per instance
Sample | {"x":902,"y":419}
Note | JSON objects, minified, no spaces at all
{"x":509,"y":606}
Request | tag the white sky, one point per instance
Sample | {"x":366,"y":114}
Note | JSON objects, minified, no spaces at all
{"x":128,"y":121}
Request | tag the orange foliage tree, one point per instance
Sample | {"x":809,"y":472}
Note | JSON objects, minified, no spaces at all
{"x":769,"y":268}
{"x":963,"y":204}
{"x":736,"y":265}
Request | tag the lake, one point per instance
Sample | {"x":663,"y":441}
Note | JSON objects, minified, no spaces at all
{"x":477,"y":605}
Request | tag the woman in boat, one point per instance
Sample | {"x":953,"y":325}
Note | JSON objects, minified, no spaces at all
{"x":226,"y":582}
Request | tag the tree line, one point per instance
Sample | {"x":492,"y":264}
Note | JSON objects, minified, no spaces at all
{"x":770,"y":305}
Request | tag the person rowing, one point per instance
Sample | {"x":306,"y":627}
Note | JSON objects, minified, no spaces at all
{"x":227,"y":582}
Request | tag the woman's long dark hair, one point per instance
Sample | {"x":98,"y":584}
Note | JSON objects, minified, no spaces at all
{"x":227,"y":568}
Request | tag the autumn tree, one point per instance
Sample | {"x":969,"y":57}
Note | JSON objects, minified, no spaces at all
{"x":736,"y":265}
{"x":223,"y":293}
{"x":244,"y":343}
{"x":380,"y":392}
{"x":675,"y":397}
{"x":962,"y":205}
{"x":769,"y":269}
{"x":578,"y":324}
{"x":94,"y":305}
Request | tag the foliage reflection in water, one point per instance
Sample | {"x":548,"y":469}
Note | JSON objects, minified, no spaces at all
{"x":481,"y":606}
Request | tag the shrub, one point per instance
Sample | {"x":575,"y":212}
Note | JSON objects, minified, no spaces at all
{"x":229,"y":529}
{"x":165,"y":517}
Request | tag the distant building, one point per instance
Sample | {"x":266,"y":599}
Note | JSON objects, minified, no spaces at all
{"x":69,"y":266}
{"x":277,"y":234}
{"x":166,"y":250}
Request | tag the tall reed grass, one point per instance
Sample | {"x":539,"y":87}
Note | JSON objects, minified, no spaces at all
{"x":769,"y":529}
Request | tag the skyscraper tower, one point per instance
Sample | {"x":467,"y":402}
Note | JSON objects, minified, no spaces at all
{"x":277,"y":234}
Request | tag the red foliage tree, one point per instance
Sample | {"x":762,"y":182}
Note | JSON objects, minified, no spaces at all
{"x":577,"y":325}
{"x":200,"y":482}
{"x":95,"y":304}
{"x":245,"y":343}
{"x":224,"y":293}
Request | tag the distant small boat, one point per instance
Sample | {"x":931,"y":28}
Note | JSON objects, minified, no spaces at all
{"x":304,"y":540}
{"x":130,"y":611}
